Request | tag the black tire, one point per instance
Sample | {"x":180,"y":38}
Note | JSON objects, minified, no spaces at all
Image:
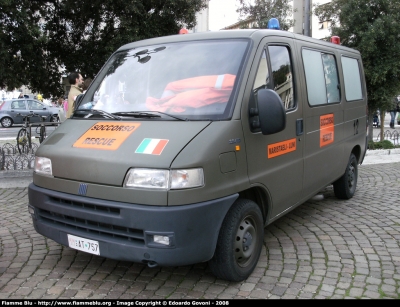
{"x":345,"y":186}
{"x":42,"y":134}
{"x":240,"y":242}
{"x":22,"y":140}
{"x":6,"y":122}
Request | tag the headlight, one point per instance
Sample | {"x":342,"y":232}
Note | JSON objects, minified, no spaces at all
{"x":164,"y":179}
{"x":43,"y":166}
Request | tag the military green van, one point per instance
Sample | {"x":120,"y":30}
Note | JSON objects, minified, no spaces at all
{"x":185,"y":147}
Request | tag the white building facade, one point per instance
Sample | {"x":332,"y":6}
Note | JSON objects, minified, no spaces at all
{"x":318,"y":29}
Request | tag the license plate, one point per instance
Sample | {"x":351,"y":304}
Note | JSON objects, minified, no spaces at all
{"x":84,"y":245}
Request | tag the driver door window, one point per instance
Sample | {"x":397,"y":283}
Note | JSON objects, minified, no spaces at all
{"x":34,"y":105}
{"x":280,"y":80}
{"x":37,"y":108}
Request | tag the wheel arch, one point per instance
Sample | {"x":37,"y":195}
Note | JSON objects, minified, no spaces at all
{"x":261,"y":197}
{"x":357,"y":152}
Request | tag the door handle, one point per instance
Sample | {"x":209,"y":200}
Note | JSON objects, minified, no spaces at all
{"x":299,"y":126}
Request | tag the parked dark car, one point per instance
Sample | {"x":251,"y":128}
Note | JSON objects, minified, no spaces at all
{"x":10,"y":108}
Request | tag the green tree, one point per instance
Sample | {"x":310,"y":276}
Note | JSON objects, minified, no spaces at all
{"x":23,"y":54}
{"x":373,"y":28}
{"x":41,"y":40}
{"x":263,"y":10}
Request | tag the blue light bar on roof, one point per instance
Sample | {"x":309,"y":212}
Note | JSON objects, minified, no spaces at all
{"x":273,"y":23}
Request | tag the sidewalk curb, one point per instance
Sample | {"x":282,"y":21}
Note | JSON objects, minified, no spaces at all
{"x":383,"y":152}
{"x":16,"y":173}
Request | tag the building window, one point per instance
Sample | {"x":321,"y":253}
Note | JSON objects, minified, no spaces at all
{"x":324,"y":25}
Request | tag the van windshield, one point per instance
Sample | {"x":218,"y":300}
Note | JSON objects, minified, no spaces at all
{"x":191,"y":80}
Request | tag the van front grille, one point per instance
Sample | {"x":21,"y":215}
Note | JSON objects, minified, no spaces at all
{"x":92,"y":227}
{"x":82,"y":205}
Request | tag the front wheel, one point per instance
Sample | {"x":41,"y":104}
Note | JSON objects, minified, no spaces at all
{"x":239,"y":242}
{"x":55,"y":119}
{"x":345,"y":186}
{"x":22,"y":140}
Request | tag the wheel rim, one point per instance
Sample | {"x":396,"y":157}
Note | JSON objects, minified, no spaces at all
{"x":246,"y":239}
{"x":351,"y":177}
{"x":6,"y":122}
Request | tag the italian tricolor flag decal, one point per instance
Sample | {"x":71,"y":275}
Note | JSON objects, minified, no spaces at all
{"x":152,"y":146}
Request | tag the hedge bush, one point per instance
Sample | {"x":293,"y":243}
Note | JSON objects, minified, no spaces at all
{"x":385,"y":144}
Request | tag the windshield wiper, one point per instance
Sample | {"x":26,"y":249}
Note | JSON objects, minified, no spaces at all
{"x":173,"y":116}
{"x":149,"y":114}
{"x":136,"y":114}
{"x":96,"y":112}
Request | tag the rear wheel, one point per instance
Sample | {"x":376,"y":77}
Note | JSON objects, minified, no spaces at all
{"x":42,"y":134}
{"x":22,"y":140}
{"x":345,"y":186}
{"x":239,"y":242}
{"x":6,"y":122}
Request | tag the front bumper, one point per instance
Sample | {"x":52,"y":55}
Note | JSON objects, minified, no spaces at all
{"x":125,"y":231}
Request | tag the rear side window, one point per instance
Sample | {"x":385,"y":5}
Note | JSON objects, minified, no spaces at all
{"x":321,"y":77}
{"x":352,"y":79}
{"x":18,"y":104}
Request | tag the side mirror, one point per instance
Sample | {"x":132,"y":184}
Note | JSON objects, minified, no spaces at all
{"x":272,"y":115}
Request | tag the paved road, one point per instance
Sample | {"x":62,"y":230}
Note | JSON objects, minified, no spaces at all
{"x":326,"y":248}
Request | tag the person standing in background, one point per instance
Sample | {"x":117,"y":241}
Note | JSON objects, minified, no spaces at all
{"x":393,"y":110}
{"x":76,"y":81}
{"x":61,"y":112}
{"x":86,"y":84}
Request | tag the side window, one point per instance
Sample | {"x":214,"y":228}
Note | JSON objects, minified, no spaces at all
{"x":34,"y":105}
{"x":281,"y":67}
{"x":352,"y":79}
{"x":331,"y":78}
{"x":321,"y":77}
{"x":262,"y":77}
{"x":18,"y":104}
{"x":280,"y":78}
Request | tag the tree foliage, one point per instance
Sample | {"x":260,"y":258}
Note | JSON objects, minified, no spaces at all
{"x":41,"y":40}
{"x":263,"y":10}
{"x":373,"y":28}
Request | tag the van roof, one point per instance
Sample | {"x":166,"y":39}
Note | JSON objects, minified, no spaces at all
{"x":253,"y":34}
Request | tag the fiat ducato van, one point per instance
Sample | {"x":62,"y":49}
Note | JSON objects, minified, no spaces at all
{"x":185,"y":147}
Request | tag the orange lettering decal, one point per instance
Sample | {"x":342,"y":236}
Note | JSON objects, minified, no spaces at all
{"x":106,"y":135}
{"x":327,"y":130}
{"x":281,"y":148}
